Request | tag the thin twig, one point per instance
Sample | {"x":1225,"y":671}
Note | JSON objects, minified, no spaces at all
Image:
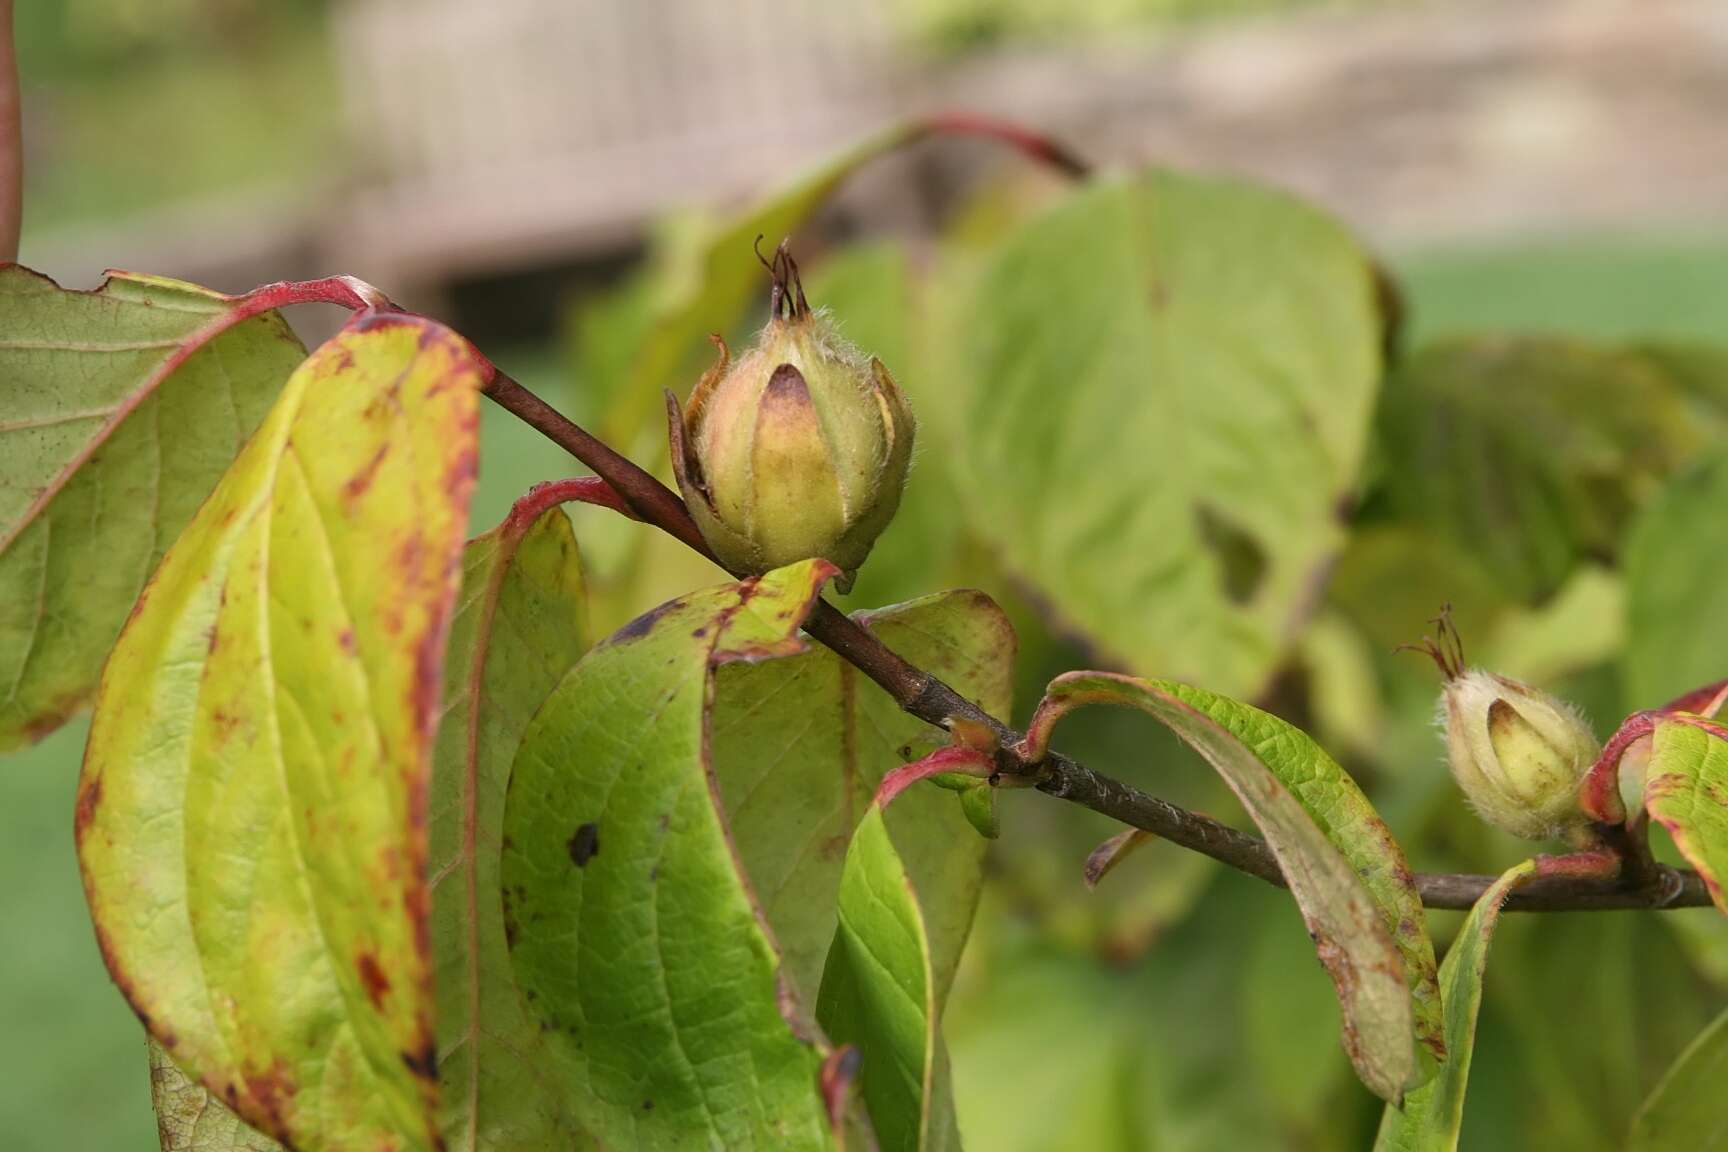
{"x":928,"y":698}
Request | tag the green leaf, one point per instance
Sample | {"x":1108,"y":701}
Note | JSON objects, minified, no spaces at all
{"x":251,"y":820}
{"x":120,"y":410}
{"x":635,"y":936}
{"x":1686,"y":791}
{"x":1433,"y":1113}
{"x":1685,"y":1113}
{"x":1530,"y":454}
{"x":1676,"y":607}
{"x":1167,"y":384}
{"x":800,"y":745}
{"x":520,"y":627}
{"x":879,"y":993}
{"x":189,"y":1119}
{"x":1343,"y":867}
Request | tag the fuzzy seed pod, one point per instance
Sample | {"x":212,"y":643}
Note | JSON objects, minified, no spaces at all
{"x":798,"y":448}
{"x":1518,"y":753}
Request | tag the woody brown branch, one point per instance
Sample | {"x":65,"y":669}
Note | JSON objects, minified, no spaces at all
{"x":928,"y":698}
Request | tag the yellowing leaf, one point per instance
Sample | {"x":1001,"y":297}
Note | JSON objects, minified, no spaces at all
{"x":1343,"y":867}
{"x":1686,"y":791}
{"x":634,"y":933}
{"x":251,"y":820}
{"x":119,"y":411}
{"x":520,"y":626}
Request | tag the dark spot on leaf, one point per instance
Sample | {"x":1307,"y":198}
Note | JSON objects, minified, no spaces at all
{"x":640,"y":626}
{"x":423,"y":1061}
{"x":372,"y":978}
{"x":698,"y":633}
{"x":647,"y":1105}
{"x":214,"y":639}
{"x":346,"y":639}
{"x":1241,"y":559}
{"x":270,"y":1091}
{"x":585,"y":844}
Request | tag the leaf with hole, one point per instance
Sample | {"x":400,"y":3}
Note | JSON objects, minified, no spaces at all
{"x":252,"y":816}
{"x":1164,"y":397}
{"x":635,"y":935}
{"x":119,"y":410}
{"x":1346,"y":872}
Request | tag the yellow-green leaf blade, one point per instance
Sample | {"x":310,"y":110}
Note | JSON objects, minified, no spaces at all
{"x":1684,"y":1112}
{"x":1433,"y":1114}
{"x":800,"y":744}
{"x":634,"y":933}
{"x":252,"y":813}
{"x":119,"y":411}
{"x":521,"y":624}
{"x":1165,"y":391}
{"x":1343,"y":867}
{"x":879,"y":993}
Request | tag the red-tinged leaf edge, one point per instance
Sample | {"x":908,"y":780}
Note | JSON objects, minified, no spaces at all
{"x":955,"y":758}
{"x":1599,"y":793}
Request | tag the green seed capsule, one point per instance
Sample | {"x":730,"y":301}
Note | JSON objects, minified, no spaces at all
{"x":799,"y":448}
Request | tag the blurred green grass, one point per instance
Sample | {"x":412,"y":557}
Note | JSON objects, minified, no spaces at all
{"x":72,"y":1074}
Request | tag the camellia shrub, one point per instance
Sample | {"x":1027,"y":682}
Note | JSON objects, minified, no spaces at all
{"x":400,"y":832}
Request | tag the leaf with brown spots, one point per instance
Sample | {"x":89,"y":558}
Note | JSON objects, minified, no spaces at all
{"x":253,"y":814}
{"x":1686,"y":791}
{"x":640,"y":946}
{"x":521,"y":624}
{"x":119,"y":410}
{"x":1346,"y":872}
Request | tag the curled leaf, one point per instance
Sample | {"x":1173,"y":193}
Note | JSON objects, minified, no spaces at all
{"x":1346,"y":872}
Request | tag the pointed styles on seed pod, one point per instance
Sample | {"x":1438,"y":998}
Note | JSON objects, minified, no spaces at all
{"x":796,"y":449}
{"x":1518,"y":754}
